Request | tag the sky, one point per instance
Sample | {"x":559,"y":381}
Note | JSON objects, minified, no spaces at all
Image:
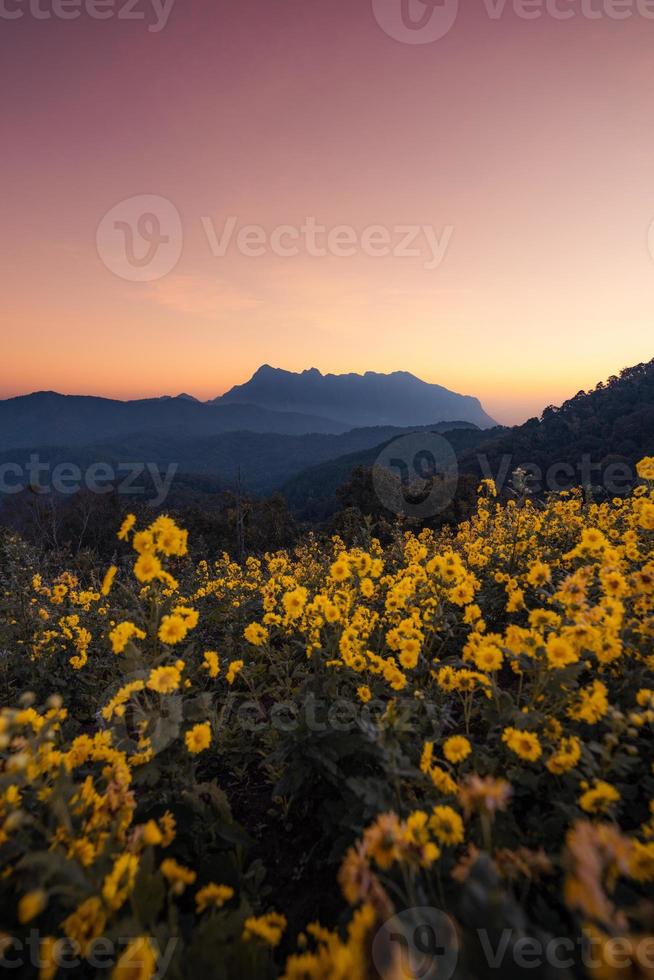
{"x":192,"y":190}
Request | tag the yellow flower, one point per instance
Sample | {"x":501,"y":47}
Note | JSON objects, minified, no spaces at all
{"x":364,"y":693}
{"x":427,"y":757}
{"x":190,"y":616}
{"x":256,"y":634}
{"x":382,"y":840}
{"x":86,"y":923}
{"x":198,"y":738}
{"x":12,"y":795}
{"x":645,"y":468}
{"x":268,"y":927}
{"x":442,"y":781}
{"x":108,"y":580}
{"x":143,"y":542}
{"x":167,"y":824}
{"x":173,"y":629}
{"x":526,"y":745}
{"x":539,"y":574}
{"x":340,"y":570}
{"x":164,"y":680}
{"x":566,"y":757}
{"x":138,"y":962}
{"x":294,"y":602}
{"x":488,"y":658}
{"x":119,"y":882}
{"x":126,"y":527}
{"x":592,"y":704}
{"x":456,"y":748}
{"x":410,"y":651}
{"x":178,"y":876}
{"x":49,"y":953}
{"x":599,"y":797}
{"x":641,"y":861}
{"x":234,"y":670}
{"x":151,"y":833}
{"x":31,"y":904}
{"x":560,"y":652}
{"x":645,"y":698}
{"x":147,"y":567}
{"x":121,"y":635}
{"x":170,"y":539}
{"x":211,"y":663}
{"x":447,"y":825}
{"x":212,"y":896}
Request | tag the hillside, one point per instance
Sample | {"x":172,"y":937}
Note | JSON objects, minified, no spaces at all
{"x":313,"y":493}
{"x":398,"y":399}
{"x":264,"y":461}
{"x":611,"y":424}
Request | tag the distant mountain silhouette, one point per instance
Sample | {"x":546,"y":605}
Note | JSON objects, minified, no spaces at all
{"x":369,"y":399}
{"x":273,"y":401}
{"x":46,"y":418}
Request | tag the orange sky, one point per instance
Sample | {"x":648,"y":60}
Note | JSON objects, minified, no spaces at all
{"x":531,"y":140}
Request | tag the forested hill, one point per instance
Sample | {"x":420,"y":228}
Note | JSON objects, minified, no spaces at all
{"x":614,"y":422}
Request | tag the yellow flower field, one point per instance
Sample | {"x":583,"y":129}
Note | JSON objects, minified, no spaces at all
{"x":200,"y":758}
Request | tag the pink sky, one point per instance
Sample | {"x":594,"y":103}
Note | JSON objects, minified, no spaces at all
{"x":531,"y":140}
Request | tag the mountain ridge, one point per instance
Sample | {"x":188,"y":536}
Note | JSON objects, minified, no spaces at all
{"x":272,"y":401}
{"x":373,"y":398}
{"x":50,"y":418}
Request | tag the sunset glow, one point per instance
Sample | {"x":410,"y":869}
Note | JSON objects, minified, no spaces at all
{"x":532,"y":140}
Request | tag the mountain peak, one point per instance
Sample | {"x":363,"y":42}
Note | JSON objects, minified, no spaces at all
{"x":369,"y":399}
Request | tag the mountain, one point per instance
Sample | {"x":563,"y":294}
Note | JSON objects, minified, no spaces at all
{"x":47,"y":418}
{"x":398,"y":399}
{"x":273,"y":401}
{"x":595,"y":438}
